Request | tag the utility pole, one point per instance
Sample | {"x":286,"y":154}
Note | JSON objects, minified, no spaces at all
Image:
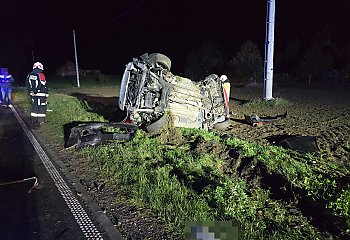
{"x":76,"y":60}
{"x":269,"y":49}
{"x":33,"y":56}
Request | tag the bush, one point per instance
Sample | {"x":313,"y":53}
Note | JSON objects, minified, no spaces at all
{"x":248,"y":63}
{"x":202,"y":61}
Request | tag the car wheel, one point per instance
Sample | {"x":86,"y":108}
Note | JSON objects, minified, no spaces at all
{"x":161,"y":59}
{"x":222,"y":125}
{"x":157,"y":125}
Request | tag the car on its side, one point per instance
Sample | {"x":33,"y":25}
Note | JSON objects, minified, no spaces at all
{"x":153,"y":96}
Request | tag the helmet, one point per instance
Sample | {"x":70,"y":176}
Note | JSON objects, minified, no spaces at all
{"x":223,"y":78}
{"x":38,"y":65}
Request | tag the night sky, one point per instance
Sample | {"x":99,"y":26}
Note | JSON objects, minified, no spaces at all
{"x":110,"y":33}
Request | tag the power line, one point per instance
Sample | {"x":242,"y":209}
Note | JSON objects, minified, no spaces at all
{"x":117,"y":18}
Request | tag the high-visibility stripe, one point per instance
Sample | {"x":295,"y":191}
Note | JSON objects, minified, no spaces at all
{"x":40,"y":95}
{"x":5,"y":76}
{"x":38,"y":114}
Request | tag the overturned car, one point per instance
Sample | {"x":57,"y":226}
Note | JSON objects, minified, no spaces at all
{"x":153,"y":96}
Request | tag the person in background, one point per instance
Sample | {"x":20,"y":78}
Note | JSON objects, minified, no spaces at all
{"x":38,"y":91}
{"x":1,"y":74}
{"x":226,"y":87}
{"x":6,"y":81}
{"x":0,"y":95}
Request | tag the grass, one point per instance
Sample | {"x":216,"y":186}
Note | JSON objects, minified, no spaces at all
{"x":148,"y":179}
{"x":85,"y":82}
{"x":316,"y":176}
{"x":64,"y":109}
{"x":225,"y":198}
{"x":165,"y":180}
{"x":168,"y":174}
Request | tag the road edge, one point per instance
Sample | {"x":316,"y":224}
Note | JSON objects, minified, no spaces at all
{"x":102,"y":219}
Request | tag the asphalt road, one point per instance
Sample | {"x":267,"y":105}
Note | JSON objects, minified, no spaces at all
{"x":44,"y":213}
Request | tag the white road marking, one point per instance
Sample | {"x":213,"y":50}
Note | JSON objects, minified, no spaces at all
{"x":81,"y":217}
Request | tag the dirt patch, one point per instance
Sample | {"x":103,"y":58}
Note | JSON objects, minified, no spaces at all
{"x":323,"y":113}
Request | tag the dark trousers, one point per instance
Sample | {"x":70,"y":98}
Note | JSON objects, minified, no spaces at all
{"x":39,"y":107}
{"x":6,"y":95}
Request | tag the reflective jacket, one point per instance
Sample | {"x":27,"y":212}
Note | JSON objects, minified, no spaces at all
{"x":6,"y":81}
{"x":33,"y":81}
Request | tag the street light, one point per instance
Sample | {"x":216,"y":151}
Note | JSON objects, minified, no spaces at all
{"x":76,"y":60}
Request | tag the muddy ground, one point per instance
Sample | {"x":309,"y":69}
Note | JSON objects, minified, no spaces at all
{"x":323,"y":113}
{"x":320,"y":112}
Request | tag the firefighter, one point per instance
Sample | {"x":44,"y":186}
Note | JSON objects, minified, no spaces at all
{"x":5,"y":85}
{"x":226,"y":87}
{"x":38,"y":91}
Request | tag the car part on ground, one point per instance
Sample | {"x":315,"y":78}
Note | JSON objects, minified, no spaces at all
{"x":35,"y":183}
{"x":255,"y":120}
{"x":93,"y":134}
{"x":149,"y":91}
{"x":304,"y":144}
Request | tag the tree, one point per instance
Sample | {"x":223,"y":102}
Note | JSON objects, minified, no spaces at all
{"x":203,"y":60}
{"x":346,"y":68}
{"x":291,"y":52}
{"x":322,"y":56}
{"x":248,"y":63}
{"x":314,"y":62}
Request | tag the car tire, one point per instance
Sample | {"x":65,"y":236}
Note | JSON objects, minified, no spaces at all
{"x":161,"y":59}
{"x":157,"y":125}
{"x":222,"y":125}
